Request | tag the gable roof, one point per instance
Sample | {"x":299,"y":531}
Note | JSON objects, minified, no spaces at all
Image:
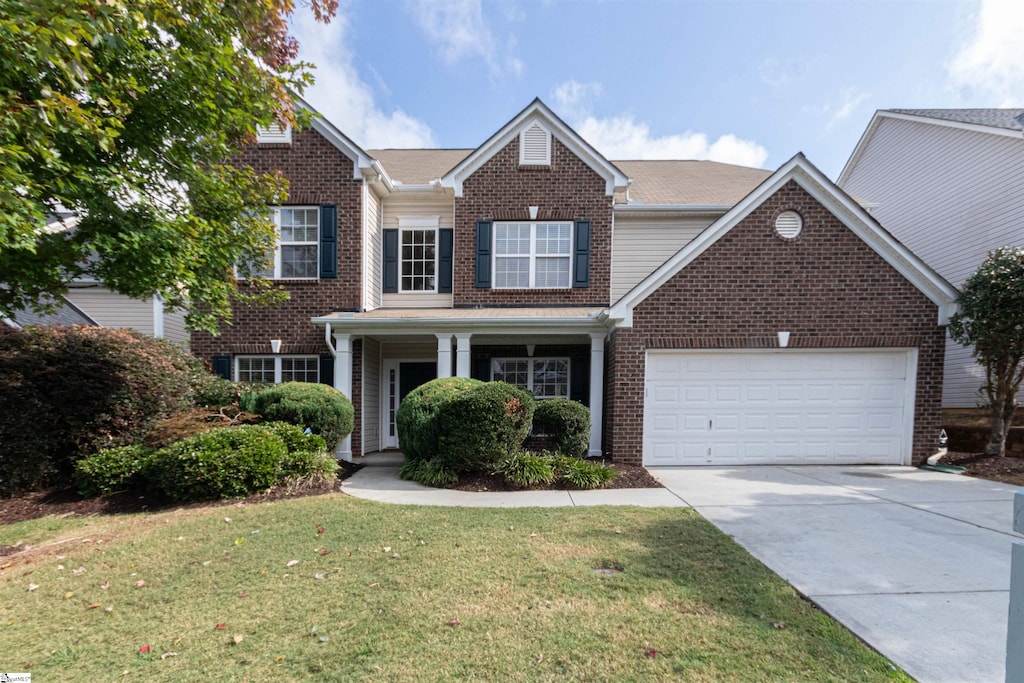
{"x":418,"y":166}
{"x":64,"y":313}
{"x":539,"y":112}
{"x":1004,"y":122}
{"x":840,"y":204}
{"x":360,"y":159}
{"x":661,"y":183}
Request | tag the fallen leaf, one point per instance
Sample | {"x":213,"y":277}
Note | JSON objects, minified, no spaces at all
{"x":318,"y":576}
{"x":243,"y":594}
{"x":144,"y":649}
{"x":239,"y":541}
{"x":779,"y":624}
{"x":207,"y":563}
{"x":511,"y":528}
{"x":33,"y":586}
{"x":221,"y":625}
{"x":325,"y":552}
{"x":387,"y":549}
{"x":238,"y":638}
{"x":319,"y":529}
{"x":278,"y":659}
{"x":94,"y":605}
{"x":108,"y":609}
{"x":453,"y":622}
{"x":323,"y":639}
{"x":394,"y":556}
{"x":60,"y":567}
{"x":651,"y":652}
{"x":227,"y":519}
{"x":5,"y":565}
{"x":168,"y":654}
{"x":67,"y":596}
{"x":105,"y":585}
{"x":140,"y":583}
{"x":78,"y":571}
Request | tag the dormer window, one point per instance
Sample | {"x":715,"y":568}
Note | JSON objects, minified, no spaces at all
{"x":535,"y":146}
{"x":274,"y":133}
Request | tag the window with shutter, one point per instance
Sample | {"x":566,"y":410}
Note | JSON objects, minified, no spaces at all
{"x":535,"y":146}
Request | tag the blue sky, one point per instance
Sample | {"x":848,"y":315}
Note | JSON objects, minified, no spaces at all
{"x":740,"y":82}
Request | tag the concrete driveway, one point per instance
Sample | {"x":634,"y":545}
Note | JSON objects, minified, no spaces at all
{"x":916,"y":563}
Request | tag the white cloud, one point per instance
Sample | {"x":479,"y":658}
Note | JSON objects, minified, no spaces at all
{"x":623,"y":137}
{"x":991,"y":63}
{"x":851,"y":99}
{"x":460,"y":31}
{"x":343,"y":97}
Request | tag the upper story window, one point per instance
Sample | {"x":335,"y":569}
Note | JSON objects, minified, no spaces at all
{"x":297,"y":255}
{"x":274,"y":133}
{"x":277,"y":369}
{"x":532,"y":255}
{"x":418,"y":254}
{"x":535,"y":146}
{"x":544,"y":377}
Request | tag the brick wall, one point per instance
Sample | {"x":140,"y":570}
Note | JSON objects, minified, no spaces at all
{"x":503,"y":190}
{"x":317,"y":174}
{"x":826,"y":287}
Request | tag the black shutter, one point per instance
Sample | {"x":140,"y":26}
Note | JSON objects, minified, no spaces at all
{"x":391,"y":261}
{"x":222,"y":366}
{"x":328,"y":240}
{"x":483,"y":254}
{"x":327,"y":370}
{"x":579,"y":379}
{"x":446,"y":241}
{"x":581,"y":260}
{"x":481,"y":369}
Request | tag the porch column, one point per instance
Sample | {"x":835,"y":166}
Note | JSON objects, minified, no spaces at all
{"x":343,"y":383}
{"x":444,"y":355}
{"x":596,"y":392}
{"x":463,"y":355}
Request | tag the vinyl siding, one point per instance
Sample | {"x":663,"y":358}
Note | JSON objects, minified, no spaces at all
{"x":111,"y":309}
{"x":374,"y":258}
{"x":174,"y":327}
{"x":951,"y":196}
{"x":641,"y":244}
{"x":371,"y":395}
{"x":416,"y":207}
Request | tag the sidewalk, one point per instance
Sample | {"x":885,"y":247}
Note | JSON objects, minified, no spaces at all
{"x":383,"y":485}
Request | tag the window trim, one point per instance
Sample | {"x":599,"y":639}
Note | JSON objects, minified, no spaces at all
{"x":529,"y":377}
{"x":402,"y":230}
{"x":533,"y":256}
{"x":278,"y":364}
{"x":275,"y":216}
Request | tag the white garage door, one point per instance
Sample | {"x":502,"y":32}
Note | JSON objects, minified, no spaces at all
{"x":777,"y":407}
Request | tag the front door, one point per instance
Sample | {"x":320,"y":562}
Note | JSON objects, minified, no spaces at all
{"x":401,"y":377}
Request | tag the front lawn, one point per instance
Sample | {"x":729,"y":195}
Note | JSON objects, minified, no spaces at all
{"x":334,"y":588}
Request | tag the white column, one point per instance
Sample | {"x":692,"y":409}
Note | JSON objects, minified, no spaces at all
{"x":462,"y":354}
{"x":1015,"y":626}
{"x":343,"y":383}
{"x":596,"y":392}
{"x":444,"y":355}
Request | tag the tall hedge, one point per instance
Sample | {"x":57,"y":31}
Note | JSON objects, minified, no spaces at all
{"x":66,"y":392}
{"x":483,"y":425}
{"x":417,"y":417}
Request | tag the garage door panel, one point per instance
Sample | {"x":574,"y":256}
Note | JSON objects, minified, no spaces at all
{"x":775,"y":407}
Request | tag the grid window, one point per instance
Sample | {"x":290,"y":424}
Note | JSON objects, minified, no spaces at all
{"x":543,"y":377}
{"x":277,"y":369}
{"x":297,"y":254}
{"x":419,"y":260}
{"x":533,"y":255}
{"x":305,"y":369}
{"x":256,"y":369}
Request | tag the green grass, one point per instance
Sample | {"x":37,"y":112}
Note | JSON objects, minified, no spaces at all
{"x":521,"y":584}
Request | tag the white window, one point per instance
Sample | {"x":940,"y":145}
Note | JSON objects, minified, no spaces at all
{"x":277,"y":369}
{"x":297,"y":255}
{"x":532,"y":255}
{"x":419,"y":260}
{"x":543,"y":377}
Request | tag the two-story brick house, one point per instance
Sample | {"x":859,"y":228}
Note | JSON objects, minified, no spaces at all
{"x":705,"y":313}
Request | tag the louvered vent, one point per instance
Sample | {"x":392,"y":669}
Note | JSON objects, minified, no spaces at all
{"x":535,"y":146}
{"x":788,"y":224}
{"x":274,"y":133}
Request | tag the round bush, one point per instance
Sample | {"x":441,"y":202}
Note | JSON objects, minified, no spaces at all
{"x":226,"y":462}
{"x":67,"y":392}
{"x":566,"y":422}
{"x":483,"y":425}
{"x":322,"y":408}
{"x":111,"y":470}
{"x":416,"y":420}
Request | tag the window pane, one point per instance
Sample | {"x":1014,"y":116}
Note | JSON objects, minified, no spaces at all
{"x":552,"y":272}
{"x":418,"y":260}
{"x":299,"y":225}
{"x":551,"y":378}
{"x":300,"y":369}
{"x":257,"y":369}
{"x":512,"y":272}
{"x":511,"y":371}
{"x":512,"y":239}
{"x":299,"y":261}
{"x":553,"y":238}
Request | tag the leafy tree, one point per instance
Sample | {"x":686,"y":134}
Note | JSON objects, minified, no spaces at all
{"x":991,"y":319}
{"x":122,"y":116}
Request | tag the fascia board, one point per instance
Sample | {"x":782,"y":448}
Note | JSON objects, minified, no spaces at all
{"x":862,"y":144}
{"x":429,"y":326}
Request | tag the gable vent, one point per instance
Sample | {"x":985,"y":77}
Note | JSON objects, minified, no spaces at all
{"x":274,"y":133}
{"x":535,"y":146}
{"x":788,"y":224}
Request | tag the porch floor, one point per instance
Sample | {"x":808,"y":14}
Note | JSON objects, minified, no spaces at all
{"x":388,"y":458}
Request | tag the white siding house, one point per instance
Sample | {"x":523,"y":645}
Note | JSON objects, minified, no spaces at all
{"x":946,"y":183}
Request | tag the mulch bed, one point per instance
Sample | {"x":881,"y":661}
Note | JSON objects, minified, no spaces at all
{"x":1008,"y":469}
{"x":629,"y":477}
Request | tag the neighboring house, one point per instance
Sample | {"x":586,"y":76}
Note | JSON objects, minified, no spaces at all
{"x":111,"y":309}
{"x":658,"y":293}
{"x":946,"y":183}
{"x":65,"y":313}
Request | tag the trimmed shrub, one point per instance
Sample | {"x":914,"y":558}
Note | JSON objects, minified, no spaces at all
{"x":484,"y":425}
{"x":68,"y":392}
{"x":577,"y":473}
{"x":428,"y":472}
{"x":525,"y":470}
{"x":228,"y":462}
{"x":111,"y":470}
{"x":417,"y":418}
{"x":566,"y":422}
{"x":322,"y":408}
{"x":295,"y":437}
{"x":214,"y":392}
{"x":309,"y":468}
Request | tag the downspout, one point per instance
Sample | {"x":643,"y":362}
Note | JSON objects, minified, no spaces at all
{"x":933,"y":461}
{"x":329,"y":339}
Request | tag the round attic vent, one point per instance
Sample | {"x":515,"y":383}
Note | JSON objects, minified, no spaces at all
{"x":788,"y":224}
